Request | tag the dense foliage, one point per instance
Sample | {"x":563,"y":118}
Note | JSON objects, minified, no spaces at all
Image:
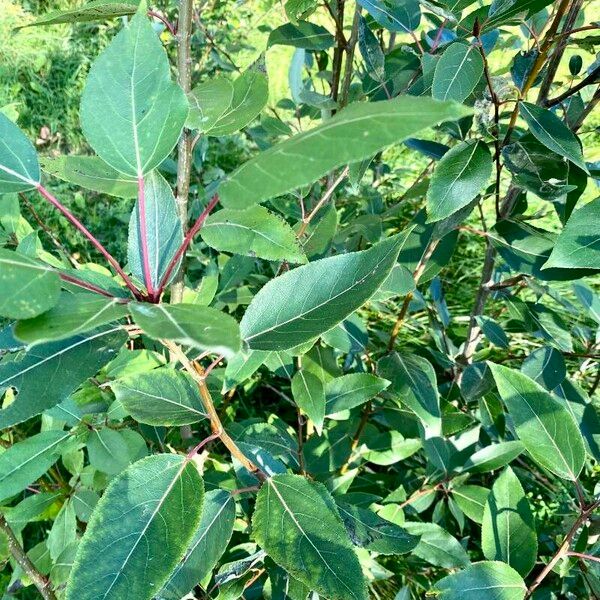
{"x":325,"y":324}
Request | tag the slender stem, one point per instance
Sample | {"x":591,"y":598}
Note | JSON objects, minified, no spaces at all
{"x":587,"y":110}
{"x":350,"y":48}
{"x":420,"y":493}
{"x":301,"y":443}
{"x":85,"y":285}
{"x":364,"y":419}
{"x":186,"y":242}
{"x":184,"y":156}
{"x":85,"y":231}
{"x":198,"y":447}
{"x":584,"y":556}
{"x":338,"y":52}
{"x":144,"y":238}
{"x":438,"y":37}
{"x":18,"y":553}
{"x":592,"y":78}
{"x":164,"y":21}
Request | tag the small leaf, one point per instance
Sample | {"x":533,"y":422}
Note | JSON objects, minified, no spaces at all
{"x":508,"y":527}
{"x":302,"y":34}
{"x":578,"y":245}
{"x":457,"y":72}
{"x":309,"y":396}
{"x":546,"y":366}
{"x":459,"y":176}
{"x":489,"y":580}
{"x":298,"y":297}
{"x":252,"y":232}
{"x":309,"y":528}
{"x":26,"y":461}
{"x":208,"y":102}
{"x":471,"y":500}
{"x":371,"y":51}
{"x":207,"y":546}
{"x":74,"y":314}
{"x":155,"y":506}
{"x":131,"y":111}
{"x":19,"y":167}
{"x":351,"y":390}
{"x":493,"y":457}
{"x":359,"y":131}
{"x":553,"y":133}
{"x":492,"y":331}
{"x":546,"y":428}
{"x":198,"y":326}
{"x":108,"y":451}
{"x":27,"y":287}
{"x":395,"y":15}
{"x":437,"y":546}
{"x":162,"y":396}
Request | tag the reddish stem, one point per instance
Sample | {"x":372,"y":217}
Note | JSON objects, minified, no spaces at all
{"x":196,"y":449}
{"x":85,"y":285}
{"x":164,"y":21}
{"x":86,"y":232}
{"x":144,"y":238}
{"x":438,"y":37}
{"x":186,"y":242}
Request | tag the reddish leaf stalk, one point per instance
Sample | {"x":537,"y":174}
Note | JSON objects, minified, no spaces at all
{"x":86,"y":286}
{"x":144,"y":239}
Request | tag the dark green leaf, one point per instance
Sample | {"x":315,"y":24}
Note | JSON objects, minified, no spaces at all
{"x":494,"y":456}
{"x":371,"y":51}
{"x":437,"y":546}
{"x":19,"y":167}
{"x":395,"y":15}
{"x":492,"y":331}
{"x":302,"y":34}
{"x":309,"y":396}
{"x":351,"y":390}
{"x":457,"y":72}
{"x":208,"y":102}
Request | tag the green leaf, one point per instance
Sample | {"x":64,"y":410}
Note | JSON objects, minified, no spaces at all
{"x":552,"y":132}
{"x":96,"y":10}
{"x":162,"y":396}
{"x":459,"y":176}
{"x":457,"y":72}
{"x":370,"y":50}
{"x":351,"y":390}
{"x":395,"y":15}
{"x":471,"y":500}
{"x":493,"y":457}
{"x":49,"y":373}
{"x":27,"y":287}
{"x":508,"y":527}
{"x":578,"y":245}
{"x":492,"y":331}
{"x":163,"y":230}
{"x":131,"y":112}
{"x":252,"y":232}
{"x":357,"y":132}
{"x":302,"y":34}
{"x":26,"y":461}
{"x":546,"y":428}
{"x":198,"y":326}
{"x":207,"y":546}
{"x":489,"y":580}
{"x":249,"y":95}
{"x":72,"y":315}
{"x":368,"y":530}
{"x":208,"y":102}
{"x":296,"y":307}
{"x":155,"y":507}
{"x":414,"y":382}
{"x":19,"y":167}
{"x":242,"y":366}
{"x":309,"y":396}
{"x":309,"y":541}
{"x":92,"y":173}
{"x":108,"y":451}
{"x":437,"y":546}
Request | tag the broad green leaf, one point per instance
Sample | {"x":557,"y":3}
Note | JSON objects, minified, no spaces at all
{"x":489,"y":579}
{"x":298,"y":306}
{"x":493,"y":331}
{"x":19,"y":167}
{"x":357,"y":132}
{"x":471,"y":500}
{"x":208,"y":102}
{"x":198,"y":326}
{"x":578,"y":245}
{"x":395,"y":15}
{"x":49,"y":373}
{"x":370,"y":50}
{"x":96,"y":10}
{"x":72,"y":315}
{"x":26,"y":461}
{"x":437,"y":546}
{"x":242,"y":366}
{"x":163,"y":230}
{"x":302,"y":34}
{"x":457,"y":72}
{"x":494,"y":456}
{"x":207,"y":546}
{"x":253,"y":232}
{"x":250,"y":95}
{"x":131,"y":112}
{"x":390,"y":447}
{"x":27,"y":287}
{"x":92,"y":173}
{"x":108,"y":451}
{"x":368,"y":530}
{"x":546,"y":428}
{"x":414,"y":382}
{"x":508,"y":527}
{"x":459,"y":176}
{"x":309,"y":541}
{"x":351,"y":390}
{"x":309,"y":396}
{"x":546,"y":366}
{"x":162,"y":396}
{"x":155,"y":507}
{"x":552,"y":132}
